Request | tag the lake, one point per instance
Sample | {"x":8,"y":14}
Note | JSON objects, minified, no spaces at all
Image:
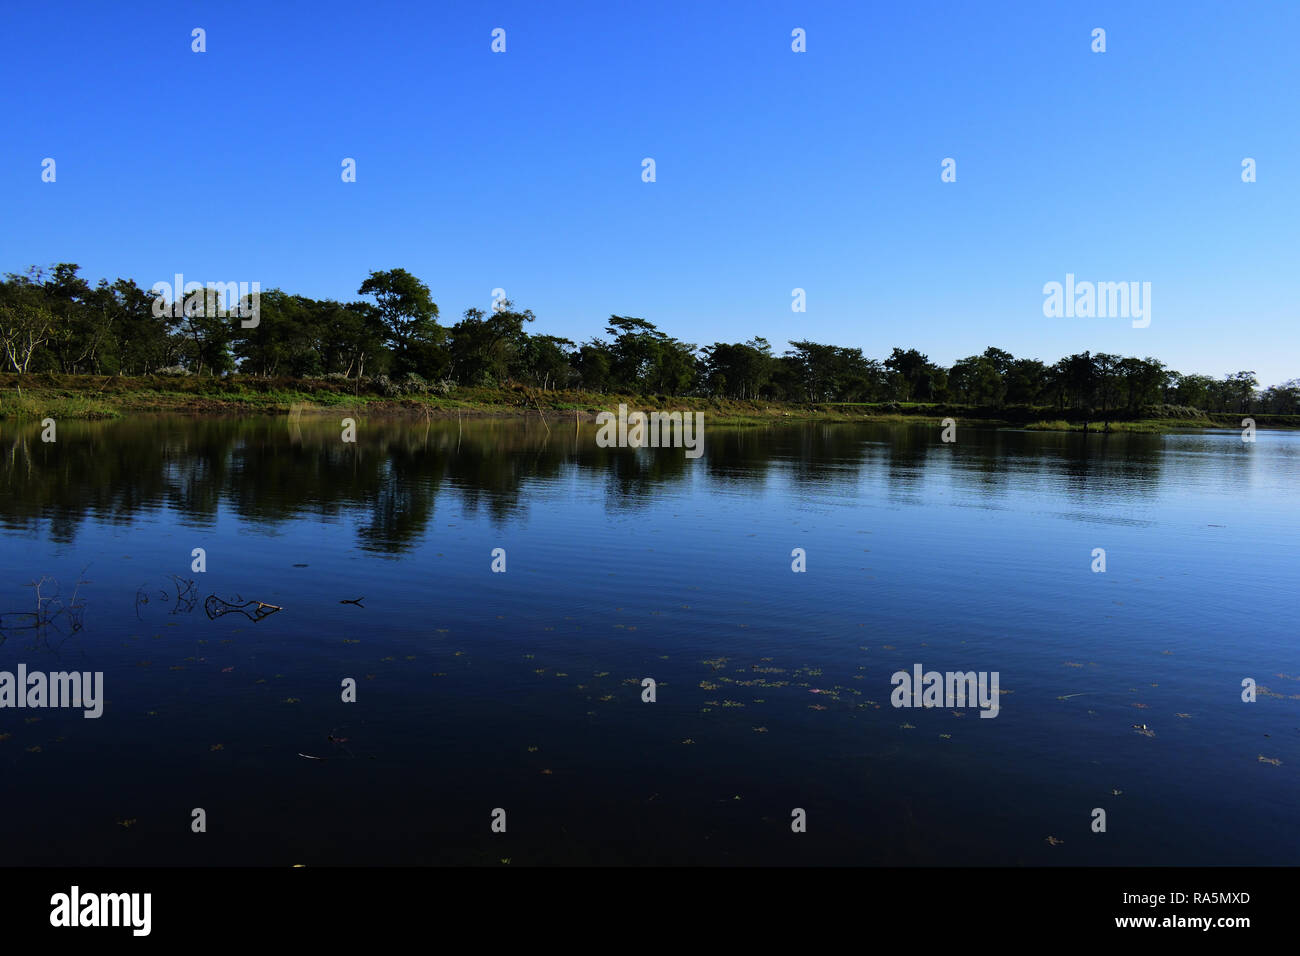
{"x":478,"y":690}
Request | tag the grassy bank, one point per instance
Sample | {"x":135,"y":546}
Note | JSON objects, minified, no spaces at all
{"x":33,"y":397}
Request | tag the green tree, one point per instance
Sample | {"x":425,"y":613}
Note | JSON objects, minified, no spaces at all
{"x":410,"y":316}
{"x":485,"y":347}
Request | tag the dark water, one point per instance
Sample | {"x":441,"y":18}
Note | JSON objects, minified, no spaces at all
{"x":626,"y":564}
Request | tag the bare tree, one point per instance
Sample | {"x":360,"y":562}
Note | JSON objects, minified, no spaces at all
{"x":23,"y":329}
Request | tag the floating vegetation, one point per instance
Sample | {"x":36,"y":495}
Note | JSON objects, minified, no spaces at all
{"x":34,"y":750}
{"x":217,"y":747}
{"x":292,"y":700}
{"x":688,"y":740}
{"x":1053,"y":841}
{"x":126,"y":824}
{"x":705,"y":685}
{"x":816,"y":706}
{"x":1268,"y":692}
{"x":760,"y":730}
{"x":1116,"y":793}
{"x":1273,"y":760}
{"x":906,"y":727}
{"x":1184,"y":716}
{"x":1072,"y":664}
{"x":946,"y":736}
{"x":532,"y":750}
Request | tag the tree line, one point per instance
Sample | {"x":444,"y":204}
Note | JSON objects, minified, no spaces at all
{"x":54,"y":320}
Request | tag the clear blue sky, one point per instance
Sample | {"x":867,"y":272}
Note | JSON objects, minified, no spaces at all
{"x":775,"y":170}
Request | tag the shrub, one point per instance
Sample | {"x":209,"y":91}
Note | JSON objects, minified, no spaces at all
{"x":1170,"y":411}
{"x":413,"y":384}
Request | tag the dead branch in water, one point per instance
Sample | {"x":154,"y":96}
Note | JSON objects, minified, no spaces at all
{"x":52,"y":612}
{"x":216,"y":607}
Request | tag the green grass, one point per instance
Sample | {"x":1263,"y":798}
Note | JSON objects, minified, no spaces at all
{"x":38,"y":396}
{"x":39,"y":406}
{"x":1150,"y":426}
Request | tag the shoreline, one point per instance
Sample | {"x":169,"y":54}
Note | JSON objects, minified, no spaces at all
{"x":30,"y":398}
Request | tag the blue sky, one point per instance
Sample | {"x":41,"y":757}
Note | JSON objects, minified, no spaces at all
{"x":775,"y":169}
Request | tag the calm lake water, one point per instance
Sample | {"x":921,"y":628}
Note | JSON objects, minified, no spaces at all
{"x":522,"y":690}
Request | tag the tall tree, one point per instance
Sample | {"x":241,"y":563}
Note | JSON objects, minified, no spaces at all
{"x":410,"y":318}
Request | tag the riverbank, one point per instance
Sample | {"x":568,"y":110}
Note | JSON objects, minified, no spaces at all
{"x":89,"y":397}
